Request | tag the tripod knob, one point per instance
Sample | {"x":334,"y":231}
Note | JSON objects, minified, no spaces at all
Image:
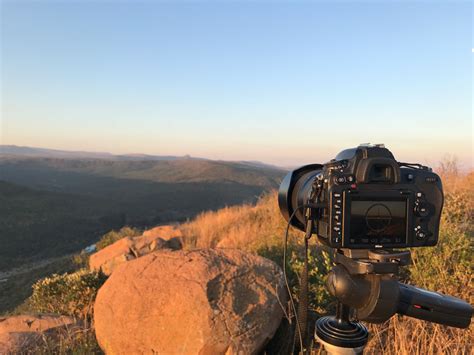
{"x":334,"y":335}
{"x":339,"y":335}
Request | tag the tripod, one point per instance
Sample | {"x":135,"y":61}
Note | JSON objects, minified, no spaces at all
{"x":365,"y":283}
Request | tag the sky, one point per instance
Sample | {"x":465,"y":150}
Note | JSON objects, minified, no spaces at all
{"x":282,"y":82}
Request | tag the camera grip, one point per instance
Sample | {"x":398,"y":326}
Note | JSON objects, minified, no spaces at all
{"x":434,"y":307}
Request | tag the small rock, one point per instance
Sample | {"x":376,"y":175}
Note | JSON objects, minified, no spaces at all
{"x":125,"y":249}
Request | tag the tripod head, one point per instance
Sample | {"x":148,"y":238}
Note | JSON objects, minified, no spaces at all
{"x":366,"y":281}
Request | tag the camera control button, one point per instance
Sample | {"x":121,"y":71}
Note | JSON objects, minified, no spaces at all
{"x":339,"y":179}
{"x":421,"y":234}
{"x":422,"y":209}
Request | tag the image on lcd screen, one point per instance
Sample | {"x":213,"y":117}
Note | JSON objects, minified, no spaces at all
{"x":381,"y":219}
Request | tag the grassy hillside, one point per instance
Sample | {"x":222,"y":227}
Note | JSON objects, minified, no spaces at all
{"x":445,"y":268}
{"x":54,"y":174}
{"x":52,"y":207}
{"x":44,"y":224}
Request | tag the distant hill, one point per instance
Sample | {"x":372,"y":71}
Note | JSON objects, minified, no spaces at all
{"x":14,"y":150}
{"x":53,"y":206}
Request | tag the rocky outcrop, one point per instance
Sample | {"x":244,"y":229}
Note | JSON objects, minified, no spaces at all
{"x":129,"y":248}
{"x":195,"y":302}
{"x":21,"y":334}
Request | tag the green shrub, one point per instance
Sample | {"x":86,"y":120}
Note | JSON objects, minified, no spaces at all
{"x":112,"y":236}
{"x":81,"y":260}
{"x":68,"y":294}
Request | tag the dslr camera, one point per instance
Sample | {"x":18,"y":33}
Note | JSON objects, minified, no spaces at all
{"x":367,"y":206}
{"x":365,"y":199}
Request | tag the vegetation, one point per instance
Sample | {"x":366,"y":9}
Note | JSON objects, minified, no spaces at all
{"x":79,"y":341}
{"x":70,"y":294}
{"x":112,"y":236}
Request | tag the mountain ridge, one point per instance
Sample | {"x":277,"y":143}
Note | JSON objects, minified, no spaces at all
{"x":15,"y":151}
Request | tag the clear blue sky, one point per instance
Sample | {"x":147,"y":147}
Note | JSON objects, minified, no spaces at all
{"x":280,"y":82}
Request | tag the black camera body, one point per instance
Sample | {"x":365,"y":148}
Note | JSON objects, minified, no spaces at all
{"x":365,"y":199}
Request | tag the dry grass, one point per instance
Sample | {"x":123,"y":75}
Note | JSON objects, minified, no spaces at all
{"x":76,"y":340}
{"x":446,"y":268}
{"x":247,"y":227}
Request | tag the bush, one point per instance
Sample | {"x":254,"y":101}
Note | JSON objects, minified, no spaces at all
{"x":81,"y":260}
{"x":112,"y":236}
{"x":67,"y":294}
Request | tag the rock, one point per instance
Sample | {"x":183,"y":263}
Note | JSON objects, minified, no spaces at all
{"x":19,"y":334}
{"x":171,"y":234}
{"x":128,"y":248}
{"x":164,"y":232}
{"x":195,"y":302}
{"x":111,"y":256}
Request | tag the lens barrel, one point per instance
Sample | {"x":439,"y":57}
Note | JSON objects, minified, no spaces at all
{"x":295,"y":191}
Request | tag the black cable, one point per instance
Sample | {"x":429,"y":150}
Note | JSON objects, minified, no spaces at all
{"x":285,"y":275}
{"x":303,"y":303}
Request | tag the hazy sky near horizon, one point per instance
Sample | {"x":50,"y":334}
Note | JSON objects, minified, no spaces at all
{"x":281,"y":82}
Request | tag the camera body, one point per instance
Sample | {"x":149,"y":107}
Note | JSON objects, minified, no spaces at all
{"x":365,"y":199}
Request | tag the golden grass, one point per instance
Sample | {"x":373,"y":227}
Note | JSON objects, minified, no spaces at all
{"x":446,"y":268}
{"x":245,"y":227}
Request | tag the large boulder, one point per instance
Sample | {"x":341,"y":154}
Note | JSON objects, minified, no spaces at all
{"x":22,"y":333}
{"x":195,"y":302}
{"x":128,"y":248}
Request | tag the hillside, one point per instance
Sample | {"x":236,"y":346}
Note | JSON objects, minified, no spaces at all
{"x":42,"y":224}
{"x":61,"y":174}
{"x":52,"y":206}
{"x":21,"y":151}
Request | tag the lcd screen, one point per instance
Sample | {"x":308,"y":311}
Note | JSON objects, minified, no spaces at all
{"x":383,"y":220}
